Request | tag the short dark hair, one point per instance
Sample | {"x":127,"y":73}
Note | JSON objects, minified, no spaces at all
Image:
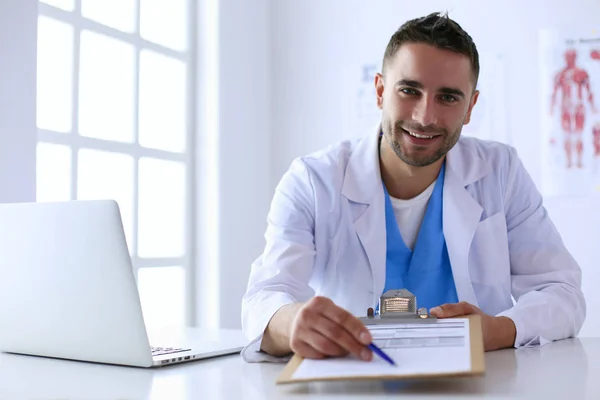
{"x":435,"y":29}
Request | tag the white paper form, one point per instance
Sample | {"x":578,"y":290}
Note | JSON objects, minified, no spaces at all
{"x":429,"y":348}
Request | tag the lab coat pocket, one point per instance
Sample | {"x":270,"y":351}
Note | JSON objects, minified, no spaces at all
{"x":489,"y":265}
{"x":489,"y":261}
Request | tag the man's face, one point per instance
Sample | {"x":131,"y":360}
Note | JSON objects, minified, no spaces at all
{"x":426,"y":96}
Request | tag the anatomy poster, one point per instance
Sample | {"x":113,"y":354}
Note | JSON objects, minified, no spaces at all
{"x":570,"y":112}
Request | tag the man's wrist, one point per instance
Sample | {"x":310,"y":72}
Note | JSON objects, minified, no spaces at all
{"x":506,"y":332}
{"x":276,"y":338}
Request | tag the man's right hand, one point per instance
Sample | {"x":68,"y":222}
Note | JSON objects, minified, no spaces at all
{"x":316,"y":329}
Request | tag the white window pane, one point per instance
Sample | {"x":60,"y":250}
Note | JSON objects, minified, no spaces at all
{"x":161,"y":227}
{"x":106,"y":88}
{"x":53,"y":172}
{"x":105,"y":175}
{"x":162,"y":102}
{"x":54,"y":75}
{"x":164,"y":22}
{"x":162,"y":294}
{"x":118,"y":14}
{"x":67,"y":5}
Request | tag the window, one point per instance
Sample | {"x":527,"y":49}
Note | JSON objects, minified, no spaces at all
{"x":113,"y":123}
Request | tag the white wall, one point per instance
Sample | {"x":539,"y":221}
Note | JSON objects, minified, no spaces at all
{"x":234,"y":151}
{"x":18,"y":132}
{"x":314,"y":40}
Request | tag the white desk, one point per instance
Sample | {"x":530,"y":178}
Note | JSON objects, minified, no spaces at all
{"x":567,"y":369}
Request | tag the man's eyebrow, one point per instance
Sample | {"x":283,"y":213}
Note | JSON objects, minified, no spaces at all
{"x":456,"y":92}
{"x":410,"y":83}
{"x":418,"y":85}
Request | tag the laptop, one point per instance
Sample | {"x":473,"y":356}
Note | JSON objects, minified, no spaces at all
{"x":68,"y":289}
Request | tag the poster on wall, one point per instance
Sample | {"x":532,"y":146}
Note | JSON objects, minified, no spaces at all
{"x":570,"y":111}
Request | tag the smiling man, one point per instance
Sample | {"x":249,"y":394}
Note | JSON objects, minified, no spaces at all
{"x":455,"y":220}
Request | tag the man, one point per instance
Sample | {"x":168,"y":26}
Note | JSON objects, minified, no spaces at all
{"x":457,"y":221}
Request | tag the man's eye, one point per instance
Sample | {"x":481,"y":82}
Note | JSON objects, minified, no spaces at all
{"x":408,"y":91}
{"x":449,"y":98}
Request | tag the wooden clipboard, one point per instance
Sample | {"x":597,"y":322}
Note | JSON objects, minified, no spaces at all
{"x":477,"y":362}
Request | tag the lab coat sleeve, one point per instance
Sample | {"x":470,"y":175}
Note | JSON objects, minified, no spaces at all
{"x":546,"y":279}
{"x":282,"y":273}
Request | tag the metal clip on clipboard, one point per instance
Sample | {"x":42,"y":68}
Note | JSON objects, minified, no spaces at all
{"x":397,"y":307}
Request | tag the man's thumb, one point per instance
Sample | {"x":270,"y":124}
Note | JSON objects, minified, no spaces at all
{"x":444,"y":311}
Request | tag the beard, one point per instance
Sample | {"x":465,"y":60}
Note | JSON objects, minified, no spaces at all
{"x":418,"y":157}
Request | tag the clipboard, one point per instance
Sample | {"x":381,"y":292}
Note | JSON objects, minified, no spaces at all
{"x":412,"y":316}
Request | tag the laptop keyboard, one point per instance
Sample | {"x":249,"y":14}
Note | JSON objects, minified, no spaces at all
{"x":159,"y":351}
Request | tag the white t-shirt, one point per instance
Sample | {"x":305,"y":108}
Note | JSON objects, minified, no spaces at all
{"x":409,"y":215}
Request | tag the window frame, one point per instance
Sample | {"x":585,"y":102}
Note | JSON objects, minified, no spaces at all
{"x":74,"y":141}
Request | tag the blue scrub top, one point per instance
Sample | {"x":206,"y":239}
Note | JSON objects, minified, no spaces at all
{"x":426,"y":272}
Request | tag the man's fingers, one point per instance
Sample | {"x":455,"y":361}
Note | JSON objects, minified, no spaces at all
{"x":304,"y":335}
{"x":339,"y":335}
{"x":349,"y":322}
{"x":329,"y":330}
{"x":452,"y":310}
{"x":305,"y":350}
{"x":446,"y":311}
{"x":324,"y":345}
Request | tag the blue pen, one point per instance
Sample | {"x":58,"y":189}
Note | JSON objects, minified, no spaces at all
{"x":381,"y":354}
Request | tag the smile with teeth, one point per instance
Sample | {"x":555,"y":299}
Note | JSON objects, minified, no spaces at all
{"x":418,"y":135}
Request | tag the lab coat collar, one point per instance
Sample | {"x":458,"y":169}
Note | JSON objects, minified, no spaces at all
{"x":465,"y":164}
{"x":363,"y":176}
{"x":461,"y":214}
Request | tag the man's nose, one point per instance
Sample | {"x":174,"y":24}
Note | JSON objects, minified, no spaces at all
{"x":425,"y":111}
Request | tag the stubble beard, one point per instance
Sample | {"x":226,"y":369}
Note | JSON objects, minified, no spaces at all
{"x":394,"y":134}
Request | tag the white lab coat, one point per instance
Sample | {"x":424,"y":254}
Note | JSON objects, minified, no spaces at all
{"x":326,"y":236}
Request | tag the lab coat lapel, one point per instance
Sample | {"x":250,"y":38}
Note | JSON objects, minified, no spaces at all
{"x":363,"y":188}
{"x":461,"y":214}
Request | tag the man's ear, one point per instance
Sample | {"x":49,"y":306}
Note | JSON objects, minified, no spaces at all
{"x":379,"y":89}
{"x":471,"y":105}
